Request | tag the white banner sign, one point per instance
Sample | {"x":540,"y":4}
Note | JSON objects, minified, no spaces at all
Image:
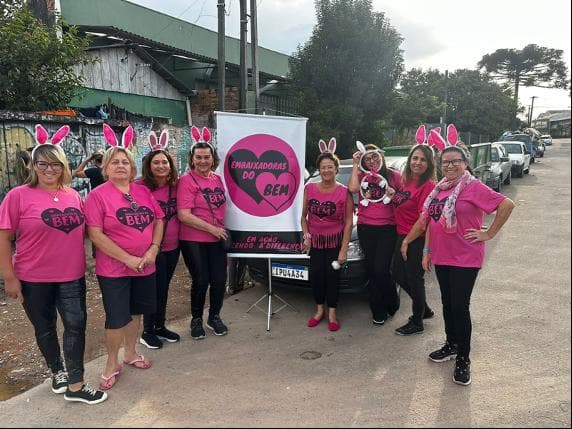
{"x":262,"y":164}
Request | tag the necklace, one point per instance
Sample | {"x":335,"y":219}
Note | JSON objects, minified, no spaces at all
{"x":55,"y":196}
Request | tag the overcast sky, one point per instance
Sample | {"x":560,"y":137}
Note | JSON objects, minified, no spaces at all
{"x":439,"y":34}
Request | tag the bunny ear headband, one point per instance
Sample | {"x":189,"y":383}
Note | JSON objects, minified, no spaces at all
{"x":42,"y":137}
{"x":126,"y":139}
{"x":435,"y":139}
{"x":364,"y":153}
{"x":329,"y":148}
{"x":161,"y":143}
{"x":201,"y":137}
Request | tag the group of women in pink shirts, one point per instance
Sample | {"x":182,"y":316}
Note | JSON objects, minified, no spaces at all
{"x":406,"y":223}
{"x":139,"y":228}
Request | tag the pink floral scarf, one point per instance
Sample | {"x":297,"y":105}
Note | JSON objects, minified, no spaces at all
{"x":448,"y":218}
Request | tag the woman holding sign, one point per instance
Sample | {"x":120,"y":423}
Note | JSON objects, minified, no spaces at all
{"x":376,"y":226}
{"x":201,"y":205}
{"x":327,"y":217}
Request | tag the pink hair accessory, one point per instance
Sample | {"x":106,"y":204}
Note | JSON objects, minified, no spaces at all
{"x":126,"y":139}
{"x":436,"y":140}
{"x":421,"y":135}
{"x":161,"y":143}
{"x":329,"y":148}
{"x":203,"y":136}
{"x":452,"y":135}
{"x":43,"y":137}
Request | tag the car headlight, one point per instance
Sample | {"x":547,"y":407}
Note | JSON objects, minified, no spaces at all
{"x":354,"y":251}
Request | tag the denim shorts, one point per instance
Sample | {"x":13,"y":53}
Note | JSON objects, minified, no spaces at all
{"x":127,"y":296}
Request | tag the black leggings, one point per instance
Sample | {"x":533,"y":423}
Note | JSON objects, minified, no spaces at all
{"x":456,"y":284}
{"x":40,"y":303}
{"x":206,"y":263}
{"x":165,"y":264}
{"x":410,"y":275}
{"x":324,"y":279}
{"x":378,"y":244}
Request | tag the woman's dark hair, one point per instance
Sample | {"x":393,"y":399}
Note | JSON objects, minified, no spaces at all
{"x":147,"y":176}
{"x":202,"y":145}
{"x":429,"y":173}
{"x":97,"y":158}
{"x":328,"y":155}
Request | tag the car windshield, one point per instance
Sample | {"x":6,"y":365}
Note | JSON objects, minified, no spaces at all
{"x":513,"y":148}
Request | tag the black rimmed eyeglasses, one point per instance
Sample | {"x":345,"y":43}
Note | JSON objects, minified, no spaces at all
{"x":131,"y":200}
{"x":43,"y":165}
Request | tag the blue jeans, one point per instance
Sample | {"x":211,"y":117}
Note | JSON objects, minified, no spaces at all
{"x":41,"y":300}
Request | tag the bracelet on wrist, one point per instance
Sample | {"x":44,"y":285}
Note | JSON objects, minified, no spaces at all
{"x":156,"y":244}
{"x":426,"y":250}
{"x":307,"y":236}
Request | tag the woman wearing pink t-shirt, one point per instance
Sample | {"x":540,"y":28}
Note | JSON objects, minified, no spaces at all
{"x":455,"y":211}
{"x":416,"y":184}
{"x":377,"y":233}
{"x":125,"y":223}
{"x":47,"y":271}
{"x":201,"y":203}
{"x":327,"y":218}
{"x":160,"y":175}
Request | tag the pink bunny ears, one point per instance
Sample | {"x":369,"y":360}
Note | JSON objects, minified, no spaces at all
{"x":161,"y":143}
{"x":42,"y":136}
{"x":126,"y":139}
{"x":201,"y":137}
{"x":434,"y":138}
{"x":329,"y":148}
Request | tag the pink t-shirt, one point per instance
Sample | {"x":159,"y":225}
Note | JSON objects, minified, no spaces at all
{"x":326,"y":215}
{"x":49,"y":235}
{"x":189,"y":196}
{"x":169,"y":206}
{"x":132,"y":230}
{"x":378,"y":213}
{"x":452,"y":248}
{"x":408,"y":202}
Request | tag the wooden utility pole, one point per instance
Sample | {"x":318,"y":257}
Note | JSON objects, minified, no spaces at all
{"x":254,"y":53}
{"x":221,"y":55}
{"x":243,"y":65}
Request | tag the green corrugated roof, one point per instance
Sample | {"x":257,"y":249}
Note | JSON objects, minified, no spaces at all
{"x":189,"y":39}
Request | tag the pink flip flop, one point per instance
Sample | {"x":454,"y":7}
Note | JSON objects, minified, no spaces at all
{"x":139,"y":362}
{"x":109,"y":381}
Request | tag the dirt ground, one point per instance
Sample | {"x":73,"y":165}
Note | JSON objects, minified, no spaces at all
{"x":21,"y":363}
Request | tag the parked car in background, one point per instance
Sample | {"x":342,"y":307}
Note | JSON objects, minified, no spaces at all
{"x":546,"y":139}
{"x":501,"y":166}
{"x":519,"y":155}
{"x":530,"y":141}
{"x":296,"y":272}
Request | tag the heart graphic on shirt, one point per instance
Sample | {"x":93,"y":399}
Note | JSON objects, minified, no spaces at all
{"x":436,"y":208}
{"x":169,"y":208}
{"x":65,"y":221}
{"x":214,"y":197}
{"x":138,"y":219}
{"x":401,"y":197}
{"x":276,"y":190}
{"x":326,"y":208}
{"x":245,"y":169}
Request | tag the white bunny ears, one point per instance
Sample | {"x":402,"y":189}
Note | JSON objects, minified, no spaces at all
{"x":203,"y":136}
{"x":434,"y":138}
{"x":161,"y":143}
{"x":126,"y":140}
{"x":42,"y":137}
{"x":329,"y":148}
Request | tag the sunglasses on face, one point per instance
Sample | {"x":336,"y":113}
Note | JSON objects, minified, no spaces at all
{"x":43,"y":165}
{"x":131,"y":200}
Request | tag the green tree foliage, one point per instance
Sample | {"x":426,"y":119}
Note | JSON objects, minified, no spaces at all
{"x":344,"y":76}
{"x":531,"y":66}
{"x":35,"y":65}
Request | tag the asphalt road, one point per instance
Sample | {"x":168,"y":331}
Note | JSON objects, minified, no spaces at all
{"x":365,"y":375}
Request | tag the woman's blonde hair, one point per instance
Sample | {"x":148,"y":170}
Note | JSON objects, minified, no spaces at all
{"x":50,"y":153}
{"x":110,"y":154}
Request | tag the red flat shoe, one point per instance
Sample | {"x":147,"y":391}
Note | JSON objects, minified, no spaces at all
{"x":333,"y":326}
{"x":312,"y":323}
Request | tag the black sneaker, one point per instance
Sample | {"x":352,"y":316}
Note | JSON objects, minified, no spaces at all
{"x":378,"y":322}
{"x":60,"y":382}
{"x":169,"y":336}
{"x":150,"y":340}
{"x":409,"y":328}
{"x":197,"y":330}
{"x":445,"y":353}
{"x":215,"y":324}
{"x":87,"y":394}
{"x":428,"y":313}
{"x":462,"y":374}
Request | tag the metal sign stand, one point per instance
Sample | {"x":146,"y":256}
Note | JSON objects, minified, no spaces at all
{"x":269,"y":294}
